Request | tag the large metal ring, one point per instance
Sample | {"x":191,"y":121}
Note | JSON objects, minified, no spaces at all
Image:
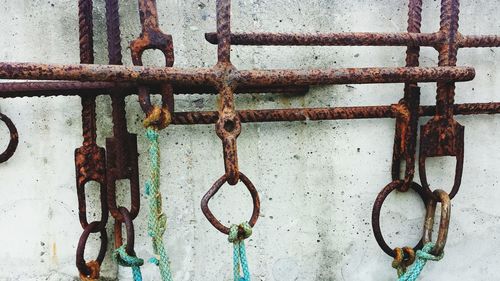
{"x":378,"y":206}
{"x":14,"y":139}
{"x":80,"y":251}
{"x":215,"y":188}
{"x":444,"y":198}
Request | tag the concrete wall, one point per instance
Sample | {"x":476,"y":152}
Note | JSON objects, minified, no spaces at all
{"x":317,"y":180}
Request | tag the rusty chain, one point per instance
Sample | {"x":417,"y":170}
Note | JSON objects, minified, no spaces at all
{"x":121,"y":149}
{"x":90,"y":160}
{"x":441,"y":136}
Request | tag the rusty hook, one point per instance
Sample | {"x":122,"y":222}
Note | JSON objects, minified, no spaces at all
{"x":215,"y":188}
{"x":405,"y":139}
{"x":153,"y":38}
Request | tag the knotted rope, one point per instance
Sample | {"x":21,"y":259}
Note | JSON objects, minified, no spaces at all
{"x":423,"y":256}
{"x":124,"y":259}
{"x":240,"y":262}
{"x":156,"y":219}
{"x":404,"y":257}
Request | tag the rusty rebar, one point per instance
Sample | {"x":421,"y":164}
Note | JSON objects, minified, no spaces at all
{"x":318,"y":114}
{"x":76,"y":88}
{"x":204,"y":76}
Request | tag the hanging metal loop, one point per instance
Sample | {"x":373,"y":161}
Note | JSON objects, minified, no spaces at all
{"x":378,"y":206}
{"x":80,"y":260}
{"x":215,"y":188}
{"x":444,"y":224}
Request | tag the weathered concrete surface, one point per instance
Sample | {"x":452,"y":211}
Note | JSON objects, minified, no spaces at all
{"x":317,"y":180}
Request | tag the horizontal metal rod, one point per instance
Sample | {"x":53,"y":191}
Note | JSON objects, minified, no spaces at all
{"x":255,"y":78}
{"x":72,"y":88}
{"x":355,"y":39}
{"x":354,"y":76}
{"x":478,"y":41}
{"x":332,"y":39}
{"x":336,"y":113}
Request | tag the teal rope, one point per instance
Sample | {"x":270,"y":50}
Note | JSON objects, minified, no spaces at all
{"x":423,"y":256}
{"x":124,"y":259}
{"x":240,"y":262}
{"x":156,"y":219}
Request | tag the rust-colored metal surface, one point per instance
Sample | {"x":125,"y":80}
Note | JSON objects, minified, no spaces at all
{"x":442,"y":135}
{"x":444,"y":223}
{"x":90,"y":159}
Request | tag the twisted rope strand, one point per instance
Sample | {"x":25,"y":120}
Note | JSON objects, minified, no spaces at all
{"x":240,"y":262}
{"x":156,"y":219}
{"x":124,"y":259}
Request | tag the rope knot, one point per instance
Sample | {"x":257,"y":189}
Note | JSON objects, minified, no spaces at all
{"x":158,"y":118}
{"x":239,"y":232}
{"x":124,"y":259}
{"x":404,"y":257}
{"x":423,"y":256}
{"x":425,"y":253}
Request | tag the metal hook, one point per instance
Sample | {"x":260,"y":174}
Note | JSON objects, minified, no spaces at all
{"x":405,"y":139}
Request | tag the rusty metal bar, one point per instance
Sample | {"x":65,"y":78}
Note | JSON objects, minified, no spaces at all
{"x":335,"y":113}
{"x":479,"y":41}
{"x":202,"y":76}
{"x":75,"y":88}
{"x":332,"y":39}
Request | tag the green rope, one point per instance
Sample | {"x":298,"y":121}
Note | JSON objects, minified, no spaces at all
{"x":240,"y":262}
{"x":423,"y":256}
{"x":124,"y":259}
{"x":156,"y":219}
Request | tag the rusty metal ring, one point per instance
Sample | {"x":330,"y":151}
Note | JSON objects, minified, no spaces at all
{"x":129,"y":226}
{"x":377,"y":206}
{"x":14,"y":139}
{"x":81,"y":264}
{"x":215,"y":188}
{"x":444,"y":198}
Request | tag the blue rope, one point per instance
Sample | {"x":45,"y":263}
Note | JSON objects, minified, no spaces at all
{"x":423,"y":256}
{"x":124,"y":259}
{"x":240,"y":262}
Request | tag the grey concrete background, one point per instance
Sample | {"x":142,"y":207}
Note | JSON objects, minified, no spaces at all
{"x":317,"y":180}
